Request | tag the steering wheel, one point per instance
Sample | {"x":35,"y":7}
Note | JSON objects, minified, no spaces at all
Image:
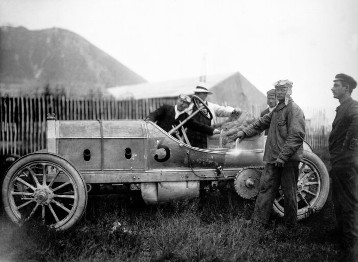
{"x":202,"y":107}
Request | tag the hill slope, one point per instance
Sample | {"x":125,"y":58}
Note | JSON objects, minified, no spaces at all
{"x":33,"y":59}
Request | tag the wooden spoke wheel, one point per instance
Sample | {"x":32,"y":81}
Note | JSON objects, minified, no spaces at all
{"x":46,"y":188}
{"x":312,"y":187}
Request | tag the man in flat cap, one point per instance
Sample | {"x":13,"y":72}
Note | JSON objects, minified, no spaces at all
{"x":197,"y":139}
{"x":283,"y":153}
{"x":343,"y":149}
{"x":271,"y":103}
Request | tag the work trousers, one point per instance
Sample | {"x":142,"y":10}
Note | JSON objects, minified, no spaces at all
{"x":345,"y":200}
{"x":271,"y":179}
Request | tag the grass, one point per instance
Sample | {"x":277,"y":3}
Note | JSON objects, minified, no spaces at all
{"x":212,"y":228}
{"x":199,"y":230}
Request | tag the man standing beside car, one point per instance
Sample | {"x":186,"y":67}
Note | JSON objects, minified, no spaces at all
{"x":271,"y":103}
{"x":283,"y":153}
{"x":343,"y":149}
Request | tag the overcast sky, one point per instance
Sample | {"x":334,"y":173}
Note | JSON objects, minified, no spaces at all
{"x":306,"y":41}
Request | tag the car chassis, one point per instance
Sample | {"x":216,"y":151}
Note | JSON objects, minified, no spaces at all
{"x":52,"y":185}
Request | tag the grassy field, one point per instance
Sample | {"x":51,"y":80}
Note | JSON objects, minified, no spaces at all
{"x":212,"y":228}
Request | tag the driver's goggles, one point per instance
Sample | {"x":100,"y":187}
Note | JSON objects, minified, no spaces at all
{"x":185,"y":98}
{"x":281,"y":89}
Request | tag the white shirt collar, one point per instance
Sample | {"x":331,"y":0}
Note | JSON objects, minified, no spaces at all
{"x":177,"y":112}
{"x":271,"y":108}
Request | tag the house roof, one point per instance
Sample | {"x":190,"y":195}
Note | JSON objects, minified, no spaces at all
{"x":231,"y":89}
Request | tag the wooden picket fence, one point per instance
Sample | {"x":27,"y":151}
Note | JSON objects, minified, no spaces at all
{"x":23,"y":119}
{"x":317,"y":137}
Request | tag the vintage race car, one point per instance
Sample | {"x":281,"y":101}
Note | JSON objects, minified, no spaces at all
{"x":52,"y":186}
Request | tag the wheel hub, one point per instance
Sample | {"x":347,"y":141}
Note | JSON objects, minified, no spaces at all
{"x":43,"y":195}
{"x":250,"y":183}
{"x":299,"y":187}
{"x":247,"y":183}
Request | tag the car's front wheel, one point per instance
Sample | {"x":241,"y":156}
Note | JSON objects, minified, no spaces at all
{"x":46,"y":188}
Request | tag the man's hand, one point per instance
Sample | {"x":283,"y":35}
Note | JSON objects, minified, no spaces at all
{"x":236,"y":112}
{"x":241,"y":135}
{"x":279,"y":162}
{"x":217,"y":125}
{"x":216,"y":131}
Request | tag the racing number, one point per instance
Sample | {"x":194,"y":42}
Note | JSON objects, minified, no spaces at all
{"x":167,"y":153}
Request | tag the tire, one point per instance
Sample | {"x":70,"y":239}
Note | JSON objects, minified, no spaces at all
{"x":312,"y":187}
{"x":5,"y":162}
{"x":44,"y":187}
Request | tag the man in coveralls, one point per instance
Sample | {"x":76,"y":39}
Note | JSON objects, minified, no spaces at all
{"x":283,"y":153}
{"x":343,"y":149}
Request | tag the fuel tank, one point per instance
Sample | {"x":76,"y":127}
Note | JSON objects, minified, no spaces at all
{"x":248,"y":152}
{"x":157,"y":193}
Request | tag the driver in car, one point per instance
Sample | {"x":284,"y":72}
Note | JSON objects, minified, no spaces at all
{"x":169,"y":116}
{"x":196,"y":138}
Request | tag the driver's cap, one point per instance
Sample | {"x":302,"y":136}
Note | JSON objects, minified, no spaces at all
{"x":201,"y":87}
{"x":283,"y":83}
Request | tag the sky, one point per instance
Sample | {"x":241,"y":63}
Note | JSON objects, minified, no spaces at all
{"x":305,"y":41}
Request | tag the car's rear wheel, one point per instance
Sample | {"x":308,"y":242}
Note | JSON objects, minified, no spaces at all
{"x":46,"y":188}
{"x":312,"y":187}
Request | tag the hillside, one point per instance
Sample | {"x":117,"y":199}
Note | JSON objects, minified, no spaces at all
{"x":63,"y":60}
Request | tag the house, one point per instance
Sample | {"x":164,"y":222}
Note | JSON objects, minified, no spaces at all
{"x":228,"y":89}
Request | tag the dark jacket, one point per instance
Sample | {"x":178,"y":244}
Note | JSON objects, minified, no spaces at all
{"x":196,"y":138}
{"x":164,"y":116}
{"x":286,"y":133}
{"x":343,"y":140}
{"x":266,"y":111}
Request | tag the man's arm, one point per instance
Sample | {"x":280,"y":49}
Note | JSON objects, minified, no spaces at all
{"x":221,"y":111}
{"x":264,"y":112}
{"x":296,"y":133}
{"x":351,"y":139}
{"x":157,"y":114}
{"x":255,"y":128}
{"x":259,"y":125}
